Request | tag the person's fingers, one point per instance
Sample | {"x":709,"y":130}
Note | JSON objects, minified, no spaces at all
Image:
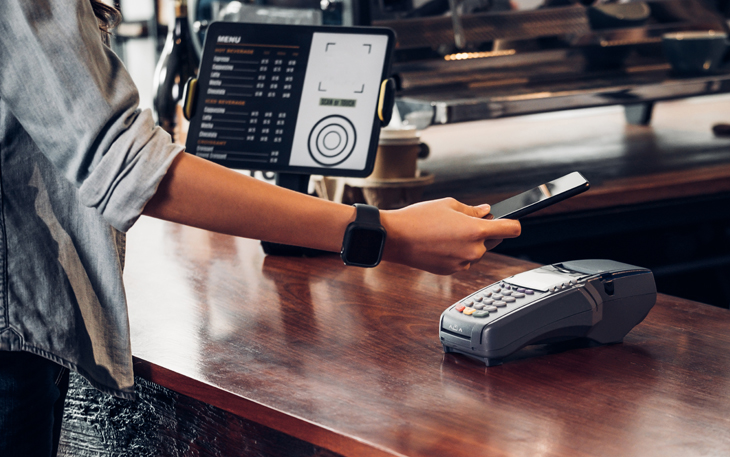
{"x":482,"y":210}
{"x":491,"y":244}
{"x":502,"y":228}
{"x":473,"y":211}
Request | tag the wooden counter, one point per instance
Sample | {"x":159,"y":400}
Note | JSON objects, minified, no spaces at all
{"x":349,"y":359}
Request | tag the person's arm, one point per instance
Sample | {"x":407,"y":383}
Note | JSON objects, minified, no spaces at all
{"x":75,"y":99}
{"x":441,"y":236}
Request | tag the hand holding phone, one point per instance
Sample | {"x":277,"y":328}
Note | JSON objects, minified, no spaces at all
{"x":540,"y":197}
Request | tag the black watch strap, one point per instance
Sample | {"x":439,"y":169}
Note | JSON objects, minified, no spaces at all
{"x":367,"y":215}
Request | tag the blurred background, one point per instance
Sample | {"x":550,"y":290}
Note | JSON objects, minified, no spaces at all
{"x":580,"y":80}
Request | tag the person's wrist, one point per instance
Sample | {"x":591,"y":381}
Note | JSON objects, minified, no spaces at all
{"x":389,"y":220}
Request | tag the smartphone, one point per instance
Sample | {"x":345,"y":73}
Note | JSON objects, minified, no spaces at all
{"x":540,"y":197}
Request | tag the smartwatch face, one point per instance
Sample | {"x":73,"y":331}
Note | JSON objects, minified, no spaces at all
{"x":364,"y":246}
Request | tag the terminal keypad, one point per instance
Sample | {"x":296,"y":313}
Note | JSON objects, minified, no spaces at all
{"x":499,"y":299}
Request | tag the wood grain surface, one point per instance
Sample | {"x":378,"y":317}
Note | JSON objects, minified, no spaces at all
{"x":349,"y":359}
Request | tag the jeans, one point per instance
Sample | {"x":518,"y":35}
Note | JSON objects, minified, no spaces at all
{"x":32,"y":393}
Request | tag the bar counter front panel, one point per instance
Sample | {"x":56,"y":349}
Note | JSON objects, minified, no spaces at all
{"x":349,"y":359}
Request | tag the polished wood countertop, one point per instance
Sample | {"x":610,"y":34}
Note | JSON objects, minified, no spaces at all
{"x":349,"y":359}
{"x":676,"y":156}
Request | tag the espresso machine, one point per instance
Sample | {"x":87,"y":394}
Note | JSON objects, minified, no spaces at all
{"x":465,"y":60}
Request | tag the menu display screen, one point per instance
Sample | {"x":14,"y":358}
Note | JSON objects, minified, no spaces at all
{"x":294,"y":99}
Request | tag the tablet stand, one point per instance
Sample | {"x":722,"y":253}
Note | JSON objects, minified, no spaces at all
{"x":227,"y":36}
{"x":300,"y":182}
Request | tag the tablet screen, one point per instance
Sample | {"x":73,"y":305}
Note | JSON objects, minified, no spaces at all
{"x":296,"y":99}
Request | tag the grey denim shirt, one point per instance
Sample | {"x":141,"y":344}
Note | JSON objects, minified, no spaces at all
{"x":78,"y":162}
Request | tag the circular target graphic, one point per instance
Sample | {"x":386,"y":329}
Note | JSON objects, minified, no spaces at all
{"x":332,"y":140}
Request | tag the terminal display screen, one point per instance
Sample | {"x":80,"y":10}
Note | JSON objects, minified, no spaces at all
{"x":537,"y":279}
{"x":295,"y":99}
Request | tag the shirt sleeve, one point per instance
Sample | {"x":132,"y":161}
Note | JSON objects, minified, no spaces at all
{"x":76,"y":100}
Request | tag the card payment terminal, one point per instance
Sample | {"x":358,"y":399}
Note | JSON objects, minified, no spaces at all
{"x":600,"y":300}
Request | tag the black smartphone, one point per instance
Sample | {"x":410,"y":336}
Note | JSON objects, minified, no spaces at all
{"x":540,"y":197}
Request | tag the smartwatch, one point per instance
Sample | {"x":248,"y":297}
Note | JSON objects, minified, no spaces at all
{"x":364,"y":238}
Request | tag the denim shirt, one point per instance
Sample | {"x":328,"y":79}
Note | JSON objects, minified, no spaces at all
{"x":78,"y":162}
